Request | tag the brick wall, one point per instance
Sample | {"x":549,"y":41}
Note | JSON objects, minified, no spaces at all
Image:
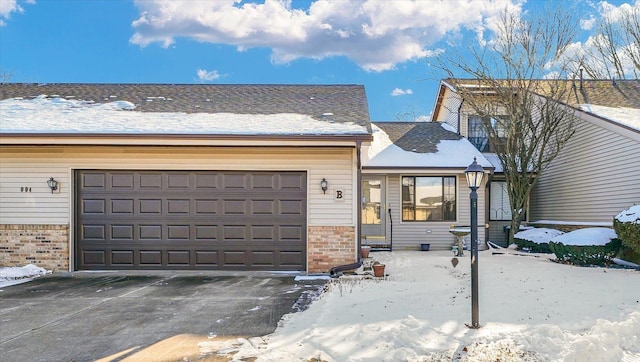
{"x":329,"y":246}
{"x":46,"y":246}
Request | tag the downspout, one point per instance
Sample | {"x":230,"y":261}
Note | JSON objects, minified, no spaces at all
{"x":356,"y":265}
{"x":460,"y":119}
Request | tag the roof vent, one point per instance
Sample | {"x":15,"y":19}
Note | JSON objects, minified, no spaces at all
{"x":328,"y":117}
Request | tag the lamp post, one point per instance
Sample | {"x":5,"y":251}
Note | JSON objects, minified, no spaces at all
{"x":474,"y":174}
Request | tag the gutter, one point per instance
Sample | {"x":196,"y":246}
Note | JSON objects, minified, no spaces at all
{"x":340,"y":268}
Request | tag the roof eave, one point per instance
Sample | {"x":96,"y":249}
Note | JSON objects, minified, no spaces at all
{"x":175,"y":139}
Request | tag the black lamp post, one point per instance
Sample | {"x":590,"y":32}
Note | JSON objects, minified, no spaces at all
{"x":474,"y":174}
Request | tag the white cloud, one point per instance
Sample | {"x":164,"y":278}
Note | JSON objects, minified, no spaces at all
{"x":207,"y":75}
{"x":376,"y":35}
{"x":587,"y":49}
{"x":10,"y":6}
{"x":587,"y":24}
{"x":401,"y":92}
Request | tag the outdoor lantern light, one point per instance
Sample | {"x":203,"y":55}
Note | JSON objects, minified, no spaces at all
{"x":53,"y":184}
{"x":324,"y":185}
{"x":474,"y":175}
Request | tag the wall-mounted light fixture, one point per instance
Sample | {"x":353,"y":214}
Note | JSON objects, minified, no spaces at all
{"x":324,"y":185}
{"x":53,"y":184}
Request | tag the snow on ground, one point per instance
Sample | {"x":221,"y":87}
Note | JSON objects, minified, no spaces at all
{"x":16,"y":275}
{"x":531,"y":309}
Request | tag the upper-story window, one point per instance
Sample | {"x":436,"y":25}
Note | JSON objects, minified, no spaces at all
{"x":428,"y":198}
{"x":477,"y":133}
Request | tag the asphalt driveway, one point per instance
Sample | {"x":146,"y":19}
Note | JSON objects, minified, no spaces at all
{"x":116,"y":316}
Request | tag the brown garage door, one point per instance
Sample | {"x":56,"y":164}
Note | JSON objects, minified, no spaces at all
{"x":190,"y":220}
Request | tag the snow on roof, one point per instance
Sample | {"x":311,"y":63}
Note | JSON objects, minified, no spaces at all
{"x":495,"y":161}
{"x":629,"y":117}
{"x":58,"y":115}
{"x":451,"y":153}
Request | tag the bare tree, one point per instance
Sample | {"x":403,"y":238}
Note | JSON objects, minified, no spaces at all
{"x":516,"y":85}
{"x":614,"y":51}
{"x":413,"y":114}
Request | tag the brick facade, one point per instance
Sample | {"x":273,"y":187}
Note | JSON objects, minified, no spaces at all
{"x":46,"y":246}
{"x":329,"y":246}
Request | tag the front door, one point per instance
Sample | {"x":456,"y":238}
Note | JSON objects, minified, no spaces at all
{"x":373,"y":209}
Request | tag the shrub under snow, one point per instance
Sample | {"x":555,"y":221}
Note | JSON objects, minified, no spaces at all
{"x":590,"y":246}
{"x":627,"y":226}
{"x":536,"y":240}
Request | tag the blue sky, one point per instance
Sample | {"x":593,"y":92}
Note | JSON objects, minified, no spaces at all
{"x":384,"y":45}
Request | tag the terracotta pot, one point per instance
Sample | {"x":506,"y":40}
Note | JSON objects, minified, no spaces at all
{"x":364,"y":251}
{"x":378,"y":270}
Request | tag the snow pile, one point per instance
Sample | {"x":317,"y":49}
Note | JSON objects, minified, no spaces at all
{"x":538,"y":235}
{"x":587,"y":236}
{"x":531,"y":309}
{"x":631,"y":215}
{"x":57,"y":115}
{"x":16,"y":275}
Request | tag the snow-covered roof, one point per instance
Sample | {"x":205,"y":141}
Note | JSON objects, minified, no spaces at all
{"x":57,"y":116}
{"x":159,"y":109}
{"x":444,"y":150}
{"x":629,"y":117}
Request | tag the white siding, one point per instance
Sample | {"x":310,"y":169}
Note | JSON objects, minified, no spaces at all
{"x":409,"y":235}
{"x":32,"y":167}
{"x":596,"y":176}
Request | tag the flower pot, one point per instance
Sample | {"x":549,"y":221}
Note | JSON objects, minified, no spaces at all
{"x":364,"y":251}
{"x":425,"y":247}
{"x":378,"y":270}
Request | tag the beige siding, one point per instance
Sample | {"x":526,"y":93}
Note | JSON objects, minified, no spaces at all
{"x":596,"y":176}
{"x":31,"y":167}
{"x":409,"y":235}
{"x":449,"y":109}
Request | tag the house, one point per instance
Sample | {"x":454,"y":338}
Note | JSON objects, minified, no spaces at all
{"x":414,"y":187}
{"x":153,"y":176}
{"x":595,"y":176}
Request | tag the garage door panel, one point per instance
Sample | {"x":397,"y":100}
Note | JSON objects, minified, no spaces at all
{"x":122,"y":181}
{"x":93,"y":206}
{"x":150,"y":257}
{"x":190,"y":220}
{"x":178,"y":181}
{"x":94,"y":257}
{"x":206,"y":232}
{"x":206,"y":258}
{"x":93,"y":232}
{"x":122,"y":232}
{"x":122,"y":257}
{"x":150,"y":181}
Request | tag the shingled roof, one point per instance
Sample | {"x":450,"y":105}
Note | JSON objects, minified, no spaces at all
{"x":419,"y":137}
{"x":619,"y":93}
{"x":346,"y":103}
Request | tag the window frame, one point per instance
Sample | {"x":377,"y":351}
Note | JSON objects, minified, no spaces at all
{"x":410,"y":196}
{"x":480,"y":132}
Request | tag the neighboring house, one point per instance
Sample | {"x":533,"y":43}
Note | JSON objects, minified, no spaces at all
{"x":414,"y":187}
{"x":596,"y":175}
{"x":180,"y":176}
